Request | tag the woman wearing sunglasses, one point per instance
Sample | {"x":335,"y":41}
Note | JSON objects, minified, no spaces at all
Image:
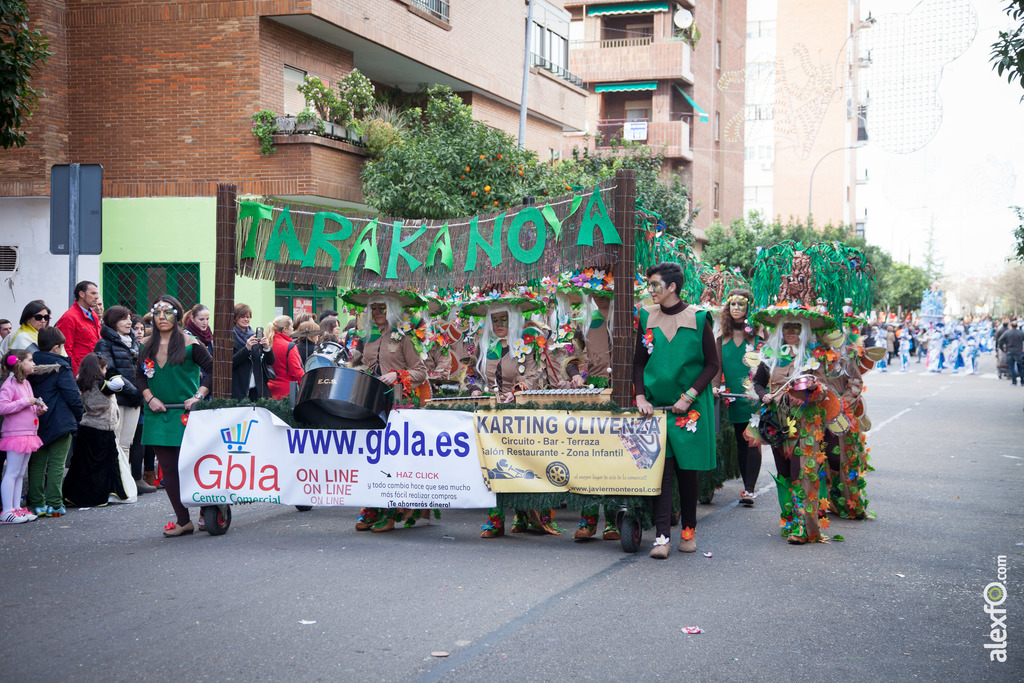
{"x":34,"y":317}
{"x":386,"y":348}
{"x":170,"y":371}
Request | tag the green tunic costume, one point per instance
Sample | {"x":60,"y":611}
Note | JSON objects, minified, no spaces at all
{"x":736,"y":373}
{"x":672,"y":368}
{"x":170,"y":384}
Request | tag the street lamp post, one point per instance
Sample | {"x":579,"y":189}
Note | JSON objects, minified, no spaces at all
{"x":810,"y":188}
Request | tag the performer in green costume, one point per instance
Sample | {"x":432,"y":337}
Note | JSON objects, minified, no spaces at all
{"x":170,"y":374}
{"x":738,"y":339}
{"x":676,"y":358}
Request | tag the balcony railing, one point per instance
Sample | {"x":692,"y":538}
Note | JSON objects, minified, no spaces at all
{"x":560,"y":71}
{"x":437,"y":8}
{"x":631,"y":59}
{"x":672,"y":138}
{"x":626,"y":42}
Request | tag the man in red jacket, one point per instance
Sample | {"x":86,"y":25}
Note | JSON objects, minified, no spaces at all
{"x":81,"y":327}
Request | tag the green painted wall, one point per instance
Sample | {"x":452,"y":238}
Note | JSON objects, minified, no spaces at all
{"x":175,"y":230}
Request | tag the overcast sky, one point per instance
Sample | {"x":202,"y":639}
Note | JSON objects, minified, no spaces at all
{"x":965,"y":178}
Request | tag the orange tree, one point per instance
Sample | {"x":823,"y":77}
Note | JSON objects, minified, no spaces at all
{"x":449,"y":165}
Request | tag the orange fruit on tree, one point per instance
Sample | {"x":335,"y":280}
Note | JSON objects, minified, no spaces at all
{"x":473,"y":194}
{"x":487,"y":188}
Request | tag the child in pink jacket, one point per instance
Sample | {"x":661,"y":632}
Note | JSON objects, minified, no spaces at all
{"x":19,"y":435}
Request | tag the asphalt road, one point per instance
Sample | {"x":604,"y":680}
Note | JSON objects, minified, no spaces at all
{"x":284,"y":595}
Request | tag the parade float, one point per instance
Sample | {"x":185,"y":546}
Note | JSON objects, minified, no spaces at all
{"x":346,"y":439}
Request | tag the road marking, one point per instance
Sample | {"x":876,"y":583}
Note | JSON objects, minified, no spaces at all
{"x":1015,"y":457}
{"x":875,"y":430}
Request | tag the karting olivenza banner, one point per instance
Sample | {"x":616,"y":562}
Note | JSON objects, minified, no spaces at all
{"x":528,"y":451}
{"x":421,"y":459}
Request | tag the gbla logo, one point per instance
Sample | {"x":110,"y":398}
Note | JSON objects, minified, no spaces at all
{"x":237,"y":436}
{"x":995,"y":595}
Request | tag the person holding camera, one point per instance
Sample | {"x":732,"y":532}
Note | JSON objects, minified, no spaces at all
{"x":253,"y":357}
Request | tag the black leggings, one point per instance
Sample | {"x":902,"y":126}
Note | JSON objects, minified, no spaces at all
{"x":687,"y":498}
{"x":788,"y":468}
{"x":168,"y":457}
{"x":749,"y":458}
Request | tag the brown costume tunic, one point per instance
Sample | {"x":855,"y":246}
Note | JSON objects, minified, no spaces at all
{"x":384,"y":355}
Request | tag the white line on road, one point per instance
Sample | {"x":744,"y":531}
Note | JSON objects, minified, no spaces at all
{"x":1015,"y":457}
{"x":875,"y":430}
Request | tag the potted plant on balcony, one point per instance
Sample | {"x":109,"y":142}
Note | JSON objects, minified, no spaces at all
{"x":264,"y":125}
{"x":307,"y":121}
{"x":355,"y":100}
{"x":322,"y":99}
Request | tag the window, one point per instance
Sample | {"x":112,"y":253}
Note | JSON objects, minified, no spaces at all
{"x":714,"y":197}
{"x":437,"y":8}
{"x":718,"y":54}
{"x":294,"y":102}
{"x":136,"y":285}
{"x":291,"y":299}
{"x":718,"y":126}
{"x":549,"y":41}
{"x":8,"y":259}
{"x":638,"y":110}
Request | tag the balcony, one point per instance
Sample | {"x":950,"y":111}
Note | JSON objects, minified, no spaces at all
{"x":627,"y":59}
{"x":671,"y":138}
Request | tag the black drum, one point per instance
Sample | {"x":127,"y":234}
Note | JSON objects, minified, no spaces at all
{"x":343,"y":398}
{"x":327,"y":355}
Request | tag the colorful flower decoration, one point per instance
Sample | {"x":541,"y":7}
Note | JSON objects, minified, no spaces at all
{"x":689,"y":423}
{"x":184,"y":419}
{"x":148,"y":368}
{"x":649,"y":341}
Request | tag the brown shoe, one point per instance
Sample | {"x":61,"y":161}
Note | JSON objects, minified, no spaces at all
{"x":660,"y":551}
{"x":363,"y":526}
{"x":584,"y":532}
{"x":173,"y":529}
{"x":687,"y":540}
{"x":381,"y":527}
{"x":149,"y":476}
{"x":493,"y":533}
{"x":611,"y":534}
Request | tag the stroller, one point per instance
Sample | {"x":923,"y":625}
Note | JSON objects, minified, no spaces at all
{"x":1002,"y":365}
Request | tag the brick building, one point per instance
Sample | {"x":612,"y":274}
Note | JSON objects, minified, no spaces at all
{"x":659,"y":72}
{"x":161,"y":93}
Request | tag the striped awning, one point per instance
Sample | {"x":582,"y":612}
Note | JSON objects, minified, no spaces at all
{"x":626,"y":86}
{"x":703,"y":114}
{"x":627,"y":8}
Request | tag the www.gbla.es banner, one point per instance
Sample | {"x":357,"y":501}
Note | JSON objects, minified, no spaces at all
{"x":422,"y":459}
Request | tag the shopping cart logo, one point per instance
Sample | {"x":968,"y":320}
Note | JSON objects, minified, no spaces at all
{"x":236,"y":437}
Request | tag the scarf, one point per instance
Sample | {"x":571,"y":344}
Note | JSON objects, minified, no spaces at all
{"x":241,"y":336}
{"x":27,"y":328}
{"x":205,"y":336}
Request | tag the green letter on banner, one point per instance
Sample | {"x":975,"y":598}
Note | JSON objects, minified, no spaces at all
{"x":284,"y":234}
{"x":442,"y":243}
{"x":321,"y":241}
{"x":493,"y":250}
{"x":257,"y":212}
{"x":368,"y":247}
{"x":398,"y":246}
{"x":530,"y":214}
{"x":601,"y":220}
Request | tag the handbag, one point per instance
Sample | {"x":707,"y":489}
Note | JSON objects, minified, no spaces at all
{"x":268,"y":370}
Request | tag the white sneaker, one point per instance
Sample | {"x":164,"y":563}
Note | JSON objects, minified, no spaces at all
{"x":12,"y":518}
{"x":25,"y":513}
